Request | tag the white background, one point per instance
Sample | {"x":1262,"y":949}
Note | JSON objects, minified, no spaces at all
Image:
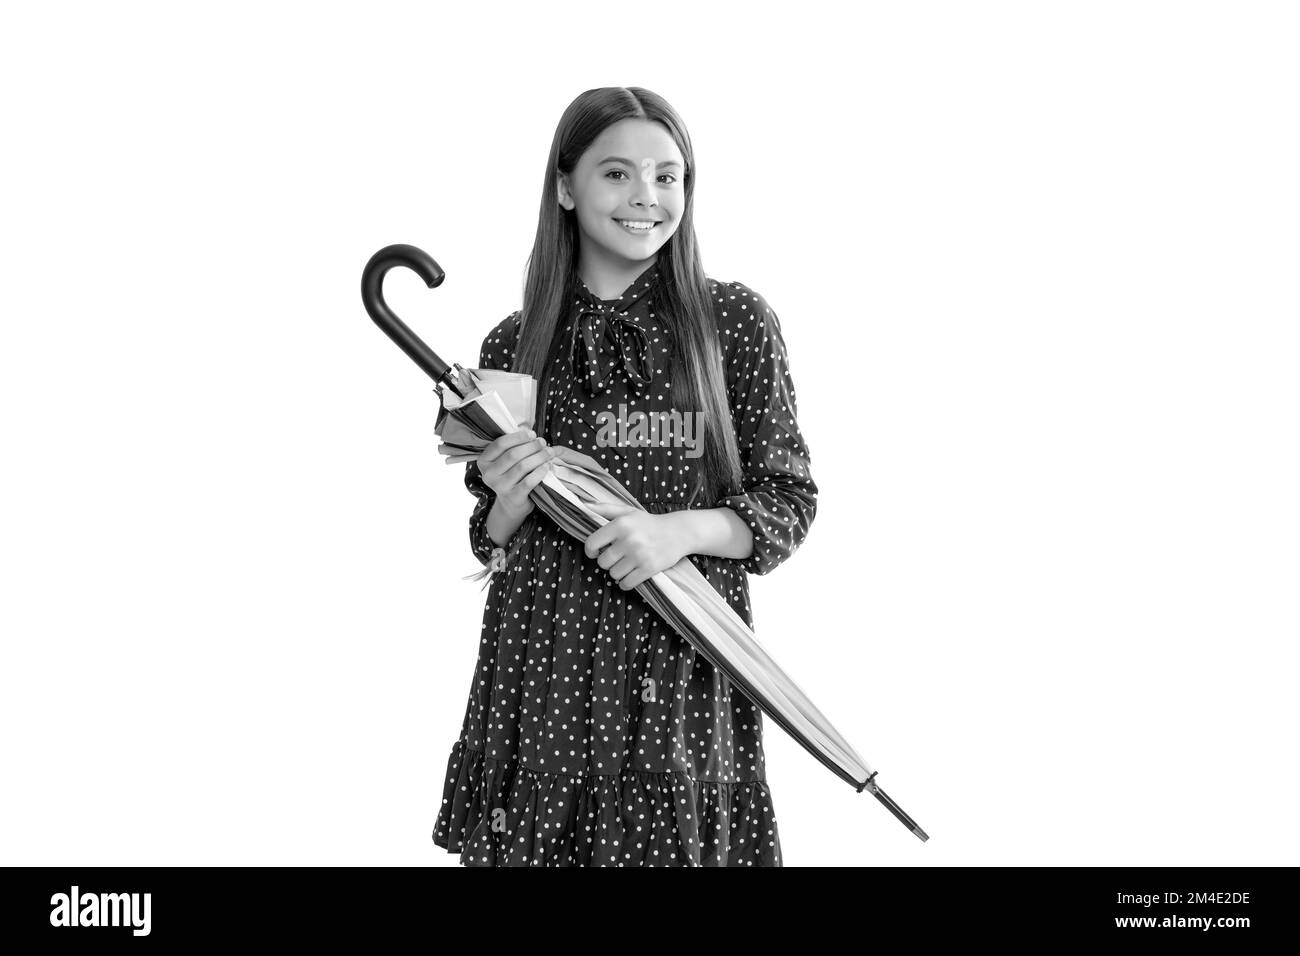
{"x":1036,"y":268}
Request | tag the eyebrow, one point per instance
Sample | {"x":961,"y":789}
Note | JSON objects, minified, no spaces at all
{"x":628,"y":162}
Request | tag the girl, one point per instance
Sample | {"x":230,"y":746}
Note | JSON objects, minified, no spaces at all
{"x":594,"y":735}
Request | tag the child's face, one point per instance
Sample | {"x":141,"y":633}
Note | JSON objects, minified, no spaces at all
{"x":631,"y":172}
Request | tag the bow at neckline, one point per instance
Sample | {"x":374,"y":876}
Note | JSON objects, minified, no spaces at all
{"x":615,"y":333}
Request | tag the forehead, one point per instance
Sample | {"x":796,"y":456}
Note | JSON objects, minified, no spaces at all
{"x":634,"y":139}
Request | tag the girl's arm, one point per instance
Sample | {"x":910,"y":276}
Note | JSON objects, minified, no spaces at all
{"x":780,"y":496}
{"x":716,"y":531}
{"x":489,"y":525}
{"x":779,"y":499}
{"x":502,"y":523}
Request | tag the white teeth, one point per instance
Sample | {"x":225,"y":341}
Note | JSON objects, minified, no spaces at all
{"x":645,"y":225}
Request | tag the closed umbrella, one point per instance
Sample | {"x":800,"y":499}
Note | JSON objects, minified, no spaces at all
{"x":478,"y":406}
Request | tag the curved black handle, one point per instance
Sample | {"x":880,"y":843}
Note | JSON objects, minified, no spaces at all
{"x":372,"y":295}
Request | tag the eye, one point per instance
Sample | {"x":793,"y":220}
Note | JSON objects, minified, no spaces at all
{"x":671,"y":177}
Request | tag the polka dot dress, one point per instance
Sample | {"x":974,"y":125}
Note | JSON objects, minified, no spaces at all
{"x":594,"y":735}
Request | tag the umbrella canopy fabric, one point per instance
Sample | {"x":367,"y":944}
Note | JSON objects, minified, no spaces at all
{"x":489,"y":403}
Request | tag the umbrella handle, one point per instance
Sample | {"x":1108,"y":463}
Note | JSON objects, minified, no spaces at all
{"x":372,"y":296}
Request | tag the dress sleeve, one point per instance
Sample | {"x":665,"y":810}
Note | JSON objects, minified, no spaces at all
{"x":496,"y":352}
{"x":779,"y":496}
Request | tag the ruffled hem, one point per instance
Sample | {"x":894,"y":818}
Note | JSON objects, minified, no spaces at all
{"x":497,"y":813}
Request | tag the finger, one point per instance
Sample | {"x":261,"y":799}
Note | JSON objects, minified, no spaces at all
{"x":637,"y":577}
{"x":622,"y":567}
{"x":535,"y":477}
{"x":610,"y":509}
{"x":517,"y":458}
{"x":599,"y":538}
{"x":610,"y":556}
{"x":526,"y":466}
{"x":503,"y":444}
{"x":522,"y":450}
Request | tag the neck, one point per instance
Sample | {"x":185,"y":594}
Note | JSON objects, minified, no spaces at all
{"x":608,"y":277}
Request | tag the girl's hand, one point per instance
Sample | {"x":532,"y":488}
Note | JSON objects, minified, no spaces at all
{"x":513,"y":465}
{"x":635,"y":544}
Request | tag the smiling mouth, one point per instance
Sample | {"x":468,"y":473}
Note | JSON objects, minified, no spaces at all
{"x":638,"y":225}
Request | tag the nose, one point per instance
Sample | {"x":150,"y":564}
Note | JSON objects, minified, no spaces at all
{"x":644,"y":197}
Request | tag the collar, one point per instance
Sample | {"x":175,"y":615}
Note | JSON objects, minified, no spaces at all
{"x":609,"y":334}
{"x":635,"y":297}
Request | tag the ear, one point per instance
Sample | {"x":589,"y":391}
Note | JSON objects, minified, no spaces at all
{"x":562,"y":190}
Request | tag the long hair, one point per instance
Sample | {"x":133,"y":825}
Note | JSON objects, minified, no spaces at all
{"x":682,"y":299}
